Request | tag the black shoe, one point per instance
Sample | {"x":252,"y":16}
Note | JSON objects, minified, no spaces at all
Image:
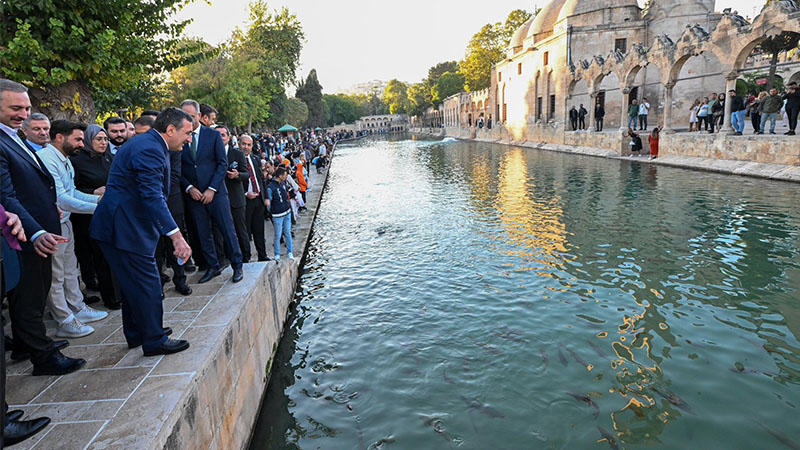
{"x":61,"y":344}
{"x":183,"y":289}
{"x":189,"y":268}
{"x":17,"y":355}
{"x":164,"y":279}
{"x":58,"y":364}
{"x":169,"y":347}
{"x":90,"y":299}
{"x":237,"y":275}
{"x":13,"y":416}
{"x":18,"y":431}
{"x":167,"y":332}
{"x":210,"y":273}
{"x":113,"y":305}
{"x":789,"y":133}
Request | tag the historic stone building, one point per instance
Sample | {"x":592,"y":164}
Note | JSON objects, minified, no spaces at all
{"x":383,"y":123}
{"x":609,"y":52}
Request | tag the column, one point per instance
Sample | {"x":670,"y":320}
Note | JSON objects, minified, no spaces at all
{"x":730,"y":82}
{"x":667,"y":127}
{"x":591,"y":105}
{"x":623,"y":122}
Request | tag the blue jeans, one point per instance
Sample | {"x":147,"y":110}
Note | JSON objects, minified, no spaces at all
{"x":737,"y":121}
{"x":632,"y":120}
{"x":282,"y":225}
{"x":771,"y":117}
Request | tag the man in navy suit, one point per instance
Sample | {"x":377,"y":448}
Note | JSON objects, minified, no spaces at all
{"x":28,"y":190}
{"x":204,"y":166}
{"x":130,"y":220}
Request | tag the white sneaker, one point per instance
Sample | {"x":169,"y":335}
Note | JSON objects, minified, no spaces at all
{"x":290,"y":256}
{"x":73,"y":329}
{"x":88,"y":314}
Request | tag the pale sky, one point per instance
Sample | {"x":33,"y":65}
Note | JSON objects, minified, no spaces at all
{"x":354,"y":41}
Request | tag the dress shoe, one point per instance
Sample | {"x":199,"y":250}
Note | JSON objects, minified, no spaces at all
{"x":237,"y":274}
{"x":183,"y":289}
{"x":90,"y":299}
{"x":18,"y":355}
{"x":18,"y":431}
{"x":167,"y":332}
{"x":58,"y":364}
{"x":114,"y":306}
{"x":60,"y":344}
{"x":169,"y":347}
{"x":210,"y":273}
{"x":13,"y":416}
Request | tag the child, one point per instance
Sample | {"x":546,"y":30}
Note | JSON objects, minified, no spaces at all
{"x":636,"y":143}
{"x":653,"y":140}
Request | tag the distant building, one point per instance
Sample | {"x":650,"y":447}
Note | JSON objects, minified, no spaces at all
{"x":386,"y":123}
{"x":368,"y":88}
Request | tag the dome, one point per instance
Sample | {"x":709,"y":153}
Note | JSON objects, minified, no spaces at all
{"x":518,"y":39}
{"x":544,"y":21}
{"x":577,"y":7}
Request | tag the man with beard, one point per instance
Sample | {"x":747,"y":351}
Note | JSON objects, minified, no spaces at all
{"x":117,"y":130}
{"x":66,"y":299}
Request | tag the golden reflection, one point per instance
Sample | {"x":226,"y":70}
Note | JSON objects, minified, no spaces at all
{"x":533,"y":226}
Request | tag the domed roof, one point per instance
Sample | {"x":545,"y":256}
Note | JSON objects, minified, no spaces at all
{"x":519,"y":36}
{"x":577,"y":7}
{"x":544,"y":21}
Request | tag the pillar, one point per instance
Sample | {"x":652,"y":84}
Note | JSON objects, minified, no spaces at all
{"x":590,"y":107}
{"x":730,"y":84}
{"x":623,"y":122}
{"x":667,"y":126}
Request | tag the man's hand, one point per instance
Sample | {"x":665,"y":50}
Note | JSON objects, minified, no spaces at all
{"x":16,"y":226}
{"x":208,"y":196}
{"x":46,"y":244}
{"x":232,"y":174}
{"x":250,"y":195}
{"x":60,"y":213}
{"x":195,"y":194}
{"x":100,"y":191}
{"x":182,"y":249}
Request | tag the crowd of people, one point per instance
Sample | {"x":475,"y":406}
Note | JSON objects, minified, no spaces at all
{"x":106,"y":209}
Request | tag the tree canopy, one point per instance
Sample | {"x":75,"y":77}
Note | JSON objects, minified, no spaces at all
{"x":310,"y":92}
{"x":396,"y":97}
{"x":448,"y":84}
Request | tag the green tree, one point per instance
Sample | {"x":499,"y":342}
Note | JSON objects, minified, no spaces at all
{"x":310,"y":92}
{"x":433,"y":76}
{"x":344,"y":108}
{"x":66,"y":51}
{"x":417,"y":104}
{"x":448,"y":84}
{"x":296,"y":112}
{"x":773,"y":46}
{"x":396,"y":97}
{"x":487,"y":47}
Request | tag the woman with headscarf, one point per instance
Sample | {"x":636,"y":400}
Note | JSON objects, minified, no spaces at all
{"x":92,"y":165}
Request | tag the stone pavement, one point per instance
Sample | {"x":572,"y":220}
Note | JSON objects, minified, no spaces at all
{"x":205,"y":397}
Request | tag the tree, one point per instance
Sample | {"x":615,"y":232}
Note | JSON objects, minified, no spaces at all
{"x":296,"y":112}
{"x":433,"y":76}
{"x":416,"y":99}
{"x":396,"y":97}
{"x":310,"y":92}
{"x":773,"y":46}
{"x":487,"y":47}
{"x":67,"y":51}
{"x":449,"y":83}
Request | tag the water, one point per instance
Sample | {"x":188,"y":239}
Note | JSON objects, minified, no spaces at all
{"x":455,"y":294}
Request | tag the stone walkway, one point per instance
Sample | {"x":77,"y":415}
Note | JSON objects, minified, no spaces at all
{"x":122,"y":399}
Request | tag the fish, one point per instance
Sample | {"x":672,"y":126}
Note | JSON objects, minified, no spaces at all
{"x":576,"y":357}
{"x":739,"y":368}
{"x":597,"y":349}
{"x":610,"y":438}
{"x":545,"y":359}
{"x":586,"y":399}
{"x":509,"y":337}
{"x":491,"y":349}
{"x":782,"y":438}
{"x":446,"y":378}
{"x":562,"y":358}
{"x":384,"y":441}
{"x":438,"y":426}
{"x":673,"y":398}
{"x":482,"y":408}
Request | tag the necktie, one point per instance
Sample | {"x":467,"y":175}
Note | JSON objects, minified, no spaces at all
{"x":193,"y":145}
{"x":253,"y":182}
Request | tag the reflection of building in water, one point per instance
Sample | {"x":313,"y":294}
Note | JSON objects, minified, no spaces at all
{"x":534,"y":226}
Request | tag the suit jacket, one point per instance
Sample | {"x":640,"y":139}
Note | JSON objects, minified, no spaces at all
{"x":175,"y":197}
{"x":262,"y":183}
{"x":236,"y":187}
{"x":27,"y":189}
{"x":208,"y":169}
{"x":133,"y":213}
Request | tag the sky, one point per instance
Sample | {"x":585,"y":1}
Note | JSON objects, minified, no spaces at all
{"x":355,"y":41}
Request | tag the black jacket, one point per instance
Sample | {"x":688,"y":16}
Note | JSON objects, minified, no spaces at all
{"x":235,"y":186}
{"x":91,"y":169}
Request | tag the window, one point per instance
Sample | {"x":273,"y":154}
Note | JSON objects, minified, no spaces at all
{"x":621,"y":45}
{"x":552,"y":111}
{"x":546,"y":57}
{"x":539,"y":108}
{"x":519,"y":69}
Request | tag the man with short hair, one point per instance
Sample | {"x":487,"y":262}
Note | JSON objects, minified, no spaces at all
{"x":66,"y":300}
{"x":131,"y":129}
{"x":117,"y":130}
{"x":792,"y":98}
{"x":582,"y":112}
{"x":633,"y":114}
{"x":769,"y":108}
{"x":235,"y":177}
{"x":204,"y":164}
{"x":208,"y":115}
{"x":737,"y":112}
{"x":36,"y":129}
{"x":129,"y":221}
{"x":256,"y":200}
{"x":143,"y":124}
{"x":28,"y":190}
{"x":573,"y":118}
{"x":644,"y":109}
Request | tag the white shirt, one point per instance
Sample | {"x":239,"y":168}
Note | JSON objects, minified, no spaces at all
{"x":643,"y":108}
{"x":252,"y":171}
{"x":70,"y":200}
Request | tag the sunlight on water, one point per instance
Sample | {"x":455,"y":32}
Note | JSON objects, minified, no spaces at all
{"x":476,"y":296}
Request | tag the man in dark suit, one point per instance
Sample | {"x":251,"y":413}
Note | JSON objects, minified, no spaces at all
{"x":235,"y":178}
{"x":255,"y":187}
{"x":129,"y":221}
{"x":28,"y":190}
{"x":204,"y":165}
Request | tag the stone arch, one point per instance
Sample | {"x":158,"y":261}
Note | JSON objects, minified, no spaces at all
{"x":794,"y":77}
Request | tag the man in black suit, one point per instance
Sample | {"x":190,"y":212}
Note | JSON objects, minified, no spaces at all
{"x":255,"y":187}
{"x":235,"y":178}
{"x":204,"y":164}
{"x":28,"y":190}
